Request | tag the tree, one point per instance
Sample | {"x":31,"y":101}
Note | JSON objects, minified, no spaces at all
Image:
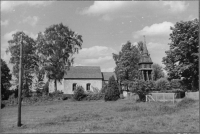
{"x":157,"y":72}
{"x":127,"y":62}
{"x":29,"y":58}
{"x":182,"y":58}
{"x":56,"y":47}
{"x":112,"y":91}
{"x":5,"y":79}
{"x":141,"y":88}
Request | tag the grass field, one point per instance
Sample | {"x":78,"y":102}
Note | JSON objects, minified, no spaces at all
{"x":99,"y":116}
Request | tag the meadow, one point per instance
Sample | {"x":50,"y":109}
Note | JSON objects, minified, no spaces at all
{"x":124,"y":115}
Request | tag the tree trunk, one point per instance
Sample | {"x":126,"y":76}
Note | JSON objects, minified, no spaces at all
{"x":55,"y":85}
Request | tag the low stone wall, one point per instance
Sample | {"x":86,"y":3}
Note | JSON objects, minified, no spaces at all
{"x":192,"y":95}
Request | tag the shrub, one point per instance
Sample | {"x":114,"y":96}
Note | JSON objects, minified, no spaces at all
{"x":112,"y":92}
{"x":95,"y":96}
{"x":56,"y":93}
{"x":64,"y":97}
{"x":141,"y":88}
{"x":162,"y":84}
{"x":79,"y":93}
{"x":175,"y":83}
{"x":103,"y":89}
{"x":45,"y":89}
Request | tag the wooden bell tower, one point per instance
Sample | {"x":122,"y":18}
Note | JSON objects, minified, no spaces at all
{"x":145,"y":63}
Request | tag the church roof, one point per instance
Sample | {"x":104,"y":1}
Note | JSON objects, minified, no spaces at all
{"x":107,"y":75}
{"x":83,"y":72}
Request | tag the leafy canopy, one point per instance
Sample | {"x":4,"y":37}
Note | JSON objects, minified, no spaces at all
{"x":157,"y":72}
{"x":182,"y":58}
{"x":56,"y":47}
{"x":127,"y":62}
{"x":29,"y":58}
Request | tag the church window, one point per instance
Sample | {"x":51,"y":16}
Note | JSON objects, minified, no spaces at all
{"x":73,"y":86}
{"x":88,"y":86}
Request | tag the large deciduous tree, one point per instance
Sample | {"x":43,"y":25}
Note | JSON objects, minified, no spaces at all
{"x":157,"y":72}
{"x":127,"y":62}
{"x":5,"y":79}
{"x":182,"y":59}
{"x":56,"y":47}
{"x":29,"y":59}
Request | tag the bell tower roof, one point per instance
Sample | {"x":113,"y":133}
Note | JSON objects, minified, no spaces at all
{"x":145,"y":56}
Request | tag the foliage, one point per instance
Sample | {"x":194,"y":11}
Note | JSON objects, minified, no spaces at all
{"x":46,"y":88}
{"x":95,"y":96}
{"x":65,"y":97}
{"x":56,"y":93}
{"x":112,"y":92}
{"x":157,"y":72}
{"x":29,"y":58}
{"x":5,"y":79}
{"x":175,"y":83}
{"x":79,"y":93}
{"x":162,"y":84}
{"x":104,"y":87}
{"x":127,"y":62}
{"x":141,"y":88}
{"x":181,"y":60}
{"x":56,"y":48}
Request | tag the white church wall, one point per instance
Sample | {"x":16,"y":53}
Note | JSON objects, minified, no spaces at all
{"x":68,"y":84}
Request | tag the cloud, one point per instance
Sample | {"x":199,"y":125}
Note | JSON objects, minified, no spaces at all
{"x":31,"y":20}
{"x":4,"y":23}
{"x":103,"y":7}
{"x":8,"y":36}
{"x":95,"y":55}
{"x":155,"y":29}
{"x":108,"y":10}
{"x":95,"y":52}
{"x":157,"y":51}
{"x":176,"y":6}
{"x":98,"y":61}
{"x":154,"y":46}
{"x":7,"y":6}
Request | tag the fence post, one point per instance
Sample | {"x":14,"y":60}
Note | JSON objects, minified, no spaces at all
{"x":163,"y":97}
{"x":156,"y":97}
{"x":146,"y":97}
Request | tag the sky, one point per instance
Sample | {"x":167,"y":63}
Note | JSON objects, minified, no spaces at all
{"x":104,"y":25}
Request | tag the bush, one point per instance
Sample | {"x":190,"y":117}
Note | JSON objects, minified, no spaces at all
{"x":112,"y":92}
{"x":65,"y":97}
{"x":79,"y":93}
{"x":56,"y":93}
{"x":141,"y":88}
{"x":95,"y":96}
{"x":103,"y":89}
{"x":175,"y":84}
{"x":162,"y":84}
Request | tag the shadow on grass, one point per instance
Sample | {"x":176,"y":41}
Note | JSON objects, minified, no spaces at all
{"x":156,"y":108}
{"x":81,"y":116}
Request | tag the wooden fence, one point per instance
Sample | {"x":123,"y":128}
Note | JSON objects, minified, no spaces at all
{"x":161,"y":97}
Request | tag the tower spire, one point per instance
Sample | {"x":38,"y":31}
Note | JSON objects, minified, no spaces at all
{"x":145,"y":47}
